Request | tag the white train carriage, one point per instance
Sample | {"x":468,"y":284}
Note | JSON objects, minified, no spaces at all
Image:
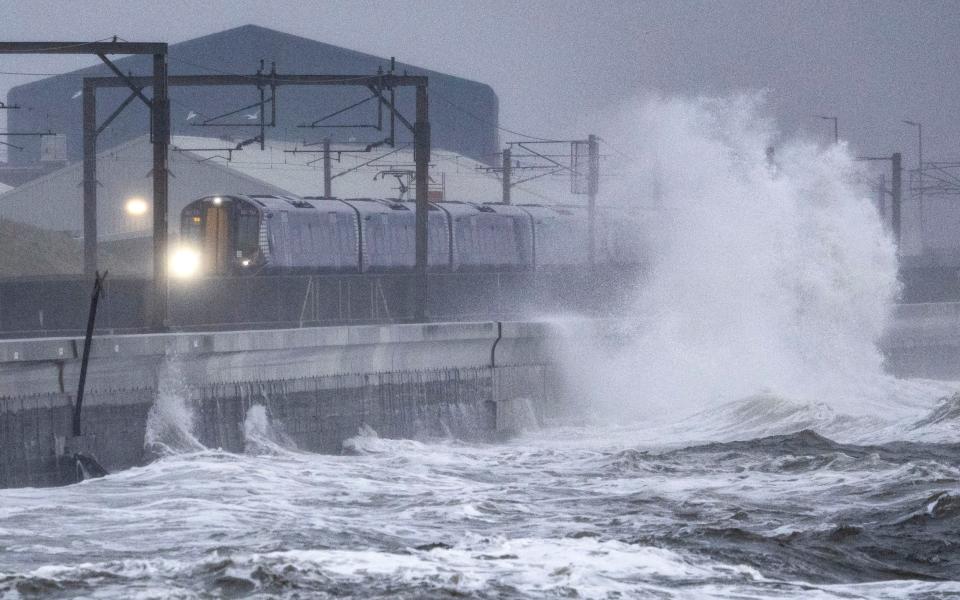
{"x":237,"y":234}
{"x":487,"y":237}
{"x":387,"y":239}
{"x":559,"y":235}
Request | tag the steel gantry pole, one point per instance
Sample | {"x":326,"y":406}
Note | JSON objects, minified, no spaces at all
{"x":896,"y":196}
{"x":506,"y":176}
{"x":593,"y":185}
{"x":160,"y":112}
{"x":89,"y":178}
{"x":160,"y":122}
{"x":160,"y":129}
{"x":836,"y":127}
{"x":421,"y":159}
{"x":896,"y":190}
{"x":327,"y":173}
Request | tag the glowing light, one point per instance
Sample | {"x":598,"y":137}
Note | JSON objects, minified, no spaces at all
{"x":217,"y":200}
{"x":245,"y":262}
{"x":136,"y":207}
{"x":184,"y":262}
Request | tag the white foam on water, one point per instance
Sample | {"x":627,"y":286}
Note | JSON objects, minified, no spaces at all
{"x":526,"y":567}
{"x":368,"y":441}
{"x":767,"y":279}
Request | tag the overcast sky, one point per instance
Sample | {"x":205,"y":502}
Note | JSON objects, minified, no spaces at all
{"x":560,"y":68}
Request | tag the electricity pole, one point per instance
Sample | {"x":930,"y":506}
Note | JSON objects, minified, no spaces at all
{"x":896,"y":191}
{"x":593,"y":184}
{"x":882,"y":198}
{"x":836,"y":129}
{"x":160,"y":112}
{"x":421,"y":159}
{"x":919,"y":127}
{"x":897,"y":185}
{"x":327,"y":176}
{"x":505,"y":177}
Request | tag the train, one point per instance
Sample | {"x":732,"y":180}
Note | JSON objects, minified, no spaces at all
{"x":262,"y":234}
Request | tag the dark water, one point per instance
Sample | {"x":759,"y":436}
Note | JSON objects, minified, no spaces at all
{"x":584,"y":512}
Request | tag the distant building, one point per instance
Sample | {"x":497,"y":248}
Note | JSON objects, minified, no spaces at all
{"x":463,"y":113}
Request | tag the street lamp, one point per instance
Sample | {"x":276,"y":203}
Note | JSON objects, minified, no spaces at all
{"x":836,"y":131}
{"x":919,"y":145}
{"x":919,"y":174}
{"x":136,"y":206}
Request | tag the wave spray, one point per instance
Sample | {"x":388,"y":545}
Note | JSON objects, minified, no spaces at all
{"x":770,"y":273}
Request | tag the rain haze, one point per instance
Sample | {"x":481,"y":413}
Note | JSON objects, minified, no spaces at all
{"x":595,"y":300}
{"x":558,"y":67}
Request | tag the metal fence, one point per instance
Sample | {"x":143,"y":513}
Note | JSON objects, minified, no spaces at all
{"x":32,"y":307}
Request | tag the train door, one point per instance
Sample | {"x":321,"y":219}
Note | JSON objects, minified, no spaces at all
{"x":216,"y":239}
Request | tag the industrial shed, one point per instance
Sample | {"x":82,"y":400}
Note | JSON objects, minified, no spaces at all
{"x":55,"y":201}
{"x":463,"y":113}
{"x":197,"y":168}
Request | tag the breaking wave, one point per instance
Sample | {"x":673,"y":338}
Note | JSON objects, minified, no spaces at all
{"x":771,"y":281}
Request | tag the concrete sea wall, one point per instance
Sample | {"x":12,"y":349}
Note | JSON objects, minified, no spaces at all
{"x":317,"y":387}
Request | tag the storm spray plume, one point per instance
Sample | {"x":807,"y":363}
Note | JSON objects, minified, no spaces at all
{"x":770,"y":272}
{"x":170,"y":422}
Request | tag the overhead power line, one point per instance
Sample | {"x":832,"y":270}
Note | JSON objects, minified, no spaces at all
{"x":487,"y":121}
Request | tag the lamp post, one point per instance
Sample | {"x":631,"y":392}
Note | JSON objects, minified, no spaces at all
{"x":919,"y":127}
{"x":836,"y":130}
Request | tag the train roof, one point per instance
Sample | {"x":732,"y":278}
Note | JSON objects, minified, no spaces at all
{"x":277,"y":202}
{"x":377,"y":206}
{"x":546,"y":212}
{"x":366,"y":206}
{"x":462,"y":209}
{"x":501,"y":209}
{"x":457,"y":209}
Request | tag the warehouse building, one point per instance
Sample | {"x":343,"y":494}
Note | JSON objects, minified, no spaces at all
{"x":463,"y":113}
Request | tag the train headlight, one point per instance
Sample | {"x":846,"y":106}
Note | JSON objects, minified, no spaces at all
{"x":184,"y":262}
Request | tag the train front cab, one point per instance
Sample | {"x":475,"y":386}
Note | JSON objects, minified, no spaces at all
{"x":224,"y":233}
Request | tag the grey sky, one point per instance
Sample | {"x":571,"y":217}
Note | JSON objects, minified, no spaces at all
{"x":561,"y":67}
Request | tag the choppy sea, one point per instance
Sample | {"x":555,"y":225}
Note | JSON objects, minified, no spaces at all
{"x":588,"y":511}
